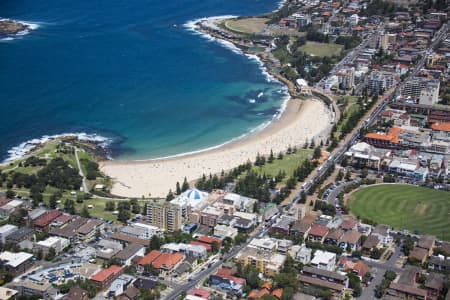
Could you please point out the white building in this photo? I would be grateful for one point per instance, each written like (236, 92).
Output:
(267, 244)
(304, 255)
(57, 243)
(196, 251)
(241, 203)
(324, 260)
(223, 231)
(6, 230)
(141, 231)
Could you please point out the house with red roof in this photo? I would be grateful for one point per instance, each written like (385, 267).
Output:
(207, 242)
(199, 293)
(166, 262)
(43, 222)
(147, 260)
(318, 233)
(359, 267)
(105, 277)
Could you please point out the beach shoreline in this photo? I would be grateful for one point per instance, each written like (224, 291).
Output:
(302, 120)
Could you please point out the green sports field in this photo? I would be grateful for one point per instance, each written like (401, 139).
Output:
(417, 209)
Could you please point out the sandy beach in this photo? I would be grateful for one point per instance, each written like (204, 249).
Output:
(301, 120)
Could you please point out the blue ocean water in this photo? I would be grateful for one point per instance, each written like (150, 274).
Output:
(129, 70)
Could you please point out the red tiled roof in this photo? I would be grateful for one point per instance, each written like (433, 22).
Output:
(207, 246)
(167, 260)
(318, 230)
(105, 273)
(149, 258)
(63, 219)
(208, 240)
(200, 293)
(392, 135)
(46, 219)
(225, 272)
(349, 224)
(441, 126)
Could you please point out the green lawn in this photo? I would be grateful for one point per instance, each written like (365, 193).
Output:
(352, 107)
(417, 209)
(289, 163)
(321, 49)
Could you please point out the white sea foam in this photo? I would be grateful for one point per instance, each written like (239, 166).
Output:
(26, 147)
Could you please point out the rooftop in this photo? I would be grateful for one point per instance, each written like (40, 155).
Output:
(15, 259)
(106, 273)
(46, 219)
(318, 230)
(167, 260)
(129, 251)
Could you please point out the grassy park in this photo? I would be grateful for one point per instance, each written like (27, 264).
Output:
(417, 209)
(288, 164)
(247, 25)
(321, 49)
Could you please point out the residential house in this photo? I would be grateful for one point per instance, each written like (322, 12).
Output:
(324, 260)
(427, 242)
(20, 235)
(439, 263)
(332, 281)
(382, 232)
(301, 229)
(76, 293)
(10, 208)
(419, 254)
(318, 233)
(359, 268)
(88, 231)
(350, 240)
(372, 242)
(304, 255)
(70, 230)
(43, 222)
(334, 236)
(225, 280)
(5, 231)
(129, 252)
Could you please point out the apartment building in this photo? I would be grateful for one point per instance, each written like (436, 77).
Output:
(165, 216)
